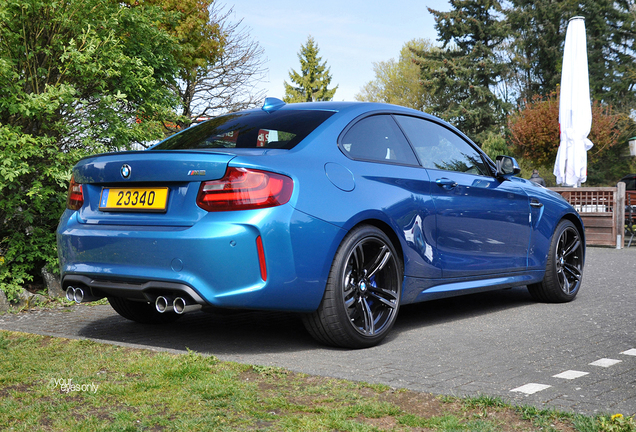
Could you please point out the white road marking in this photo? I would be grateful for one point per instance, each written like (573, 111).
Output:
(570, 374)
(605, 362)
(531, 388)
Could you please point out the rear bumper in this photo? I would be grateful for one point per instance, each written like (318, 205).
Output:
(215, 262)
(145, 291)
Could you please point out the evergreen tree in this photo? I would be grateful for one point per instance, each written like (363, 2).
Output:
(610, 33)
(537, 45)
(312, 83)
(539, 36)
(463, 76)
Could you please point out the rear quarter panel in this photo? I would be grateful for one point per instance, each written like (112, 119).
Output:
(394, 195)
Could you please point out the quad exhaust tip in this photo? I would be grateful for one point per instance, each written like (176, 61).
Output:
(163, 304)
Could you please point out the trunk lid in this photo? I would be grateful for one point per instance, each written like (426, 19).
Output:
(177, 174)
(155, 166)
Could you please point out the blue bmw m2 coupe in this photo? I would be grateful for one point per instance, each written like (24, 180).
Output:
(341, 212)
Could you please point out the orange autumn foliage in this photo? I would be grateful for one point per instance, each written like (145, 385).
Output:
(534, 129)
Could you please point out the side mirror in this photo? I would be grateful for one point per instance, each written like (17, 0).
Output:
(507, 166)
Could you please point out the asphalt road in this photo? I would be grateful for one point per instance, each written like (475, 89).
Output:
(578, 357)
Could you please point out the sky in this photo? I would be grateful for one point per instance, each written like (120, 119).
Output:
(351, 35)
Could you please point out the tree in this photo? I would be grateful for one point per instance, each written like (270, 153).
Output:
(228, 82)
(495, 145)
(537, 45)
(611, 32)
(76, 77)
(219, 64)
(398, 82)
(312, 83)
(534, 130)
(538, 39)
(82, 73)
(534, 133)
(463, 76)
(200, 42)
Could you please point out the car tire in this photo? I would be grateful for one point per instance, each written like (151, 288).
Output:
(564, 269)
(362, 294)
(141, 312)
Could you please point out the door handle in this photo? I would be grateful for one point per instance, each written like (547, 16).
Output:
(446, 183)
(535, 203)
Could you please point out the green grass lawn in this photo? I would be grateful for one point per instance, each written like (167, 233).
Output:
(55, 384)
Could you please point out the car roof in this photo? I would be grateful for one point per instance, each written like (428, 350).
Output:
(351, 107)
(354, 109)
(340, 106)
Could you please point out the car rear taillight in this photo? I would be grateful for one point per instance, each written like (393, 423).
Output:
(244, 189)
(75, 196)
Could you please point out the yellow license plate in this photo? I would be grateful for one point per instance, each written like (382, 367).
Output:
(134, 199)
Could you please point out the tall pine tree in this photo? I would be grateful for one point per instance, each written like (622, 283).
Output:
(537, 45)
(611, 59)
(312, 83)
(538, 39)
(462, 77)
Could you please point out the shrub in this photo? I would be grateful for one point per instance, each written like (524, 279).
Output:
(535, 136)
(33, 179)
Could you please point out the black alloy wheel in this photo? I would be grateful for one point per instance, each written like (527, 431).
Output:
(369, 290)
(564, 270)
(362, 296)
(569, 261)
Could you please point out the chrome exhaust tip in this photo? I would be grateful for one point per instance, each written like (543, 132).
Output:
(78, 295)
(181, 306)
(81, 295)
(163, 304)
(70, 293)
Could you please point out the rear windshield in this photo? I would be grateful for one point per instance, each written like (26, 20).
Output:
(252, 129)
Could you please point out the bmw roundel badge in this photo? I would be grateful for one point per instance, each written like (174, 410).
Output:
(125, 171)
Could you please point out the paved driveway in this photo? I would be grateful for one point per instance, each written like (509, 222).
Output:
(579, 357)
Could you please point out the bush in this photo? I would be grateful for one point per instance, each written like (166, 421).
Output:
(534, 134)
(495, 145)
(76, 77)
(33, 179)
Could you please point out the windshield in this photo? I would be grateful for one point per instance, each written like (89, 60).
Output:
(250, 129)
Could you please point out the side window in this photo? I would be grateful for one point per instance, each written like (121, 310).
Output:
(440, 148)
(378, 138)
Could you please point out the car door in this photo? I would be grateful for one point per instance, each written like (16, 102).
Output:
(395, 181)
(482, 222)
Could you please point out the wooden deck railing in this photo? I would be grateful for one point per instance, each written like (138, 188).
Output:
(602, 210)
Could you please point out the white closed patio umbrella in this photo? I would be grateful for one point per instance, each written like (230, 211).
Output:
(575, 109)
